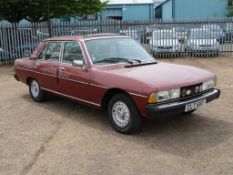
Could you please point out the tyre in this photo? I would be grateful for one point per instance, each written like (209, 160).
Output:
(124, 115)
(37, 94)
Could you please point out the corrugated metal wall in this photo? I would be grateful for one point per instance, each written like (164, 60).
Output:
(200, 9)
(194, 9)
(167, 11)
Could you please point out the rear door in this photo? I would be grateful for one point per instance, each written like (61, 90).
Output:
(47, 65)
(74, 80)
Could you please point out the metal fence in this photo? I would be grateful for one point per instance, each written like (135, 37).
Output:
(204, 38)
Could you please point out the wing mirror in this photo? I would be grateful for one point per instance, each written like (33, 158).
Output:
(80, 63)
(32, 57)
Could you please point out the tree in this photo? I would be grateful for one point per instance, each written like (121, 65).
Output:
(12, 10)
(230, 4)
(42, 10)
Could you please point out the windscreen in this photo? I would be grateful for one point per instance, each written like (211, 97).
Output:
(116, 47)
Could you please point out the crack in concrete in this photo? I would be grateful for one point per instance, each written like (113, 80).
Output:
(40, 151)
(42, 148)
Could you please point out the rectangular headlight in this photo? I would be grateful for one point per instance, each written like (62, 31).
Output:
(208, 84)
(164, 95)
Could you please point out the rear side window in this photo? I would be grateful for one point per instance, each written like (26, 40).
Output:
(51, 52)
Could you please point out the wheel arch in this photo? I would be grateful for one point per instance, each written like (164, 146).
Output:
(28, 80)
(109, 94)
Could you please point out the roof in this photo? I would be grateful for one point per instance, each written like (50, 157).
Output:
(76, 37)
(158, 1)
(100, 35)
(116, 2)
(64, 38)
(164, 2)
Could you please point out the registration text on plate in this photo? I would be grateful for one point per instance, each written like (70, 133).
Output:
(195, 105)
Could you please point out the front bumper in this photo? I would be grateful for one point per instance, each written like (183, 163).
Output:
(178, 107)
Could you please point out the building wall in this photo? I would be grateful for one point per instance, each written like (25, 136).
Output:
(167, 10)
(139, 12)
(130, 11)
(200, 9)
(112, 10)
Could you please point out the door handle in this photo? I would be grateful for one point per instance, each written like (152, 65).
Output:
(37, 65)
(61, 69)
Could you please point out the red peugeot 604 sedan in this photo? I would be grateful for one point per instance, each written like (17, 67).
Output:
(116, 74)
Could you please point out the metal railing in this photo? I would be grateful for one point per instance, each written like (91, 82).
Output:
(202, 38)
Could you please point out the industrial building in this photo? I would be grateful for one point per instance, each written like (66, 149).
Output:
(191, 9)
(128, 10)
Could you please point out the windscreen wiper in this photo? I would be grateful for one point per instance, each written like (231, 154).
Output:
(141, 64)
(114, 60)
(139, 61)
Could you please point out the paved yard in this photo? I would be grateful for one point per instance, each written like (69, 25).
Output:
(59, 137)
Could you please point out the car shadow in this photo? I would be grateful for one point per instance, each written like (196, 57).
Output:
(72, 110)
(181, 135)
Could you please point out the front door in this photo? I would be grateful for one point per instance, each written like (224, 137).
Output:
(47, 65)
(73, 80)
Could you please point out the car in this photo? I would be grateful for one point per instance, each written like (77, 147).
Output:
(116, 74)
(217, 31)
(136, 34)
(181, 33)
(229, 33)
(5, 55)
(164, 42)
(79, 31)
(24, 49)
(202, 41)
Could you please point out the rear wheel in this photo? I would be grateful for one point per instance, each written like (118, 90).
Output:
(36, 92)
(124, 115)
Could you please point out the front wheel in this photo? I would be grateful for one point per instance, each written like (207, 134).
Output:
(36, 92)
(124, 115)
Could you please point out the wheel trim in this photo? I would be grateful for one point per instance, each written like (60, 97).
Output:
(35, 88)
(120, 114)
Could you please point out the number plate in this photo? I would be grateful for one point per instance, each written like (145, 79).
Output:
(195, 105)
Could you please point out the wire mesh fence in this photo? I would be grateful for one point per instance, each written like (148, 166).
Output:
(203, 38)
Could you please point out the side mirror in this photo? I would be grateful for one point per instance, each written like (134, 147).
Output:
(32, 57)
(78, 63)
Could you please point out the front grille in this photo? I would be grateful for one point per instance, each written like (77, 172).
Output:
(205, 45)
(190, 91)
(165, 47)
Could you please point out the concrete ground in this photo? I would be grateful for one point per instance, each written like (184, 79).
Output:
(59, 137)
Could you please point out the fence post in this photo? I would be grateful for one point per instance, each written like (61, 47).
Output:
(49, 27)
